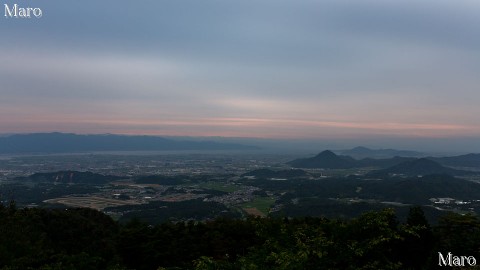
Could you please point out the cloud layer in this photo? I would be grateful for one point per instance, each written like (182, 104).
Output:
(281, 69)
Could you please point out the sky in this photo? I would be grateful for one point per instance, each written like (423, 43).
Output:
(296, 69)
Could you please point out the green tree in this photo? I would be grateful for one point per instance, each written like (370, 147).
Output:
(416, 247)
(459, 234)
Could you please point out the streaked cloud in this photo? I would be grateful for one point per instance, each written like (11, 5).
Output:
(284, 69)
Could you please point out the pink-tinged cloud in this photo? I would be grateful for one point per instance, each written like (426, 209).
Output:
(309, 69)
(238, 127)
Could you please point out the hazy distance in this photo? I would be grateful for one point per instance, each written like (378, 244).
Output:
(316, 74)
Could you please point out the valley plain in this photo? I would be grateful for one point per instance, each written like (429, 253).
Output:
(202, 186)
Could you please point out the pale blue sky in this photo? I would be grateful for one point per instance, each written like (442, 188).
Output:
(282, 69)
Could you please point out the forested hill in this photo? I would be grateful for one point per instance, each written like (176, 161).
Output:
(70, 177)
(329, 160)
(326, 159)
(87, 239)
(70, 143)
(468, 160)
(361, 152)
(418, 167)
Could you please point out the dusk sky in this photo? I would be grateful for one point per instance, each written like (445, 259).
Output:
(247, 68)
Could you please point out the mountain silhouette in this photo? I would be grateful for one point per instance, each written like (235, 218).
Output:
(468, 160)
(360, 152)
(326, 159)
(382, 162)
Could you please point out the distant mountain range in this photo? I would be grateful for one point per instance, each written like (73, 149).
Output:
(71, 143)
(407, 166)
(361, 152)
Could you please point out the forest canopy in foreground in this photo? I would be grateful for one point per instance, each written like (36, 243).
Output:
(87, 239)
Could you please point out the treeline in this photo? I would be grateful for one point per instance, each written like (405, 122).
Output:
(156, 212)
(87, 239)
(409, 190)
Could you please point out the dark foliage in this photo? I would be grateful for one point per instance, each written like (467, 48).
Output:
(88, 239)
(73, 238)
(160, 211)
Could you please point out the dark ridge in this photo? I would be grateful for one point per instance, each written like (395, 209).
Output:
(382, 163)
(360, 152)
(406, 165)
(418, 167)
(326, 159)
(468, 160)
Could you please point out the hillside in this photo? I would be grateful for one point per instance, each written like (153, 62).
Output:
(382, 163)
(364, 152)
(326, 159)
(469, 160)
(417, 167)
(329, 160)
(418, 190)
